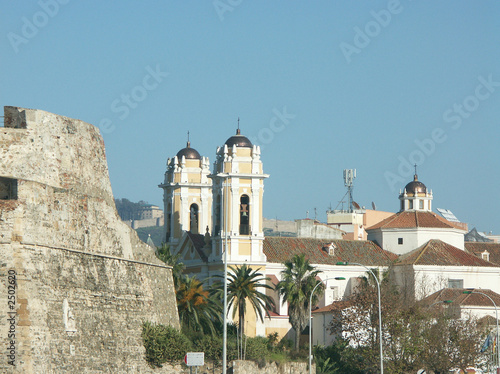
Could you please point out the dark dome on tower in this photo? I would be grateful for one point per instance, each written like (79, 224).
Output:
(239, 140)
(415, 187)
(188, 153)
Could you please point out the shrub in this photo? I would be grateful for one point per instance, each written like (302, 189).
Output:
(256, 348)
(163, 344)
(212, 346)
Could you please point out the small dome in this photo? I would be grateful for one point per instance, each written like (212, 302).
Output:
(239, 140)
(415, 187)
(188, 153)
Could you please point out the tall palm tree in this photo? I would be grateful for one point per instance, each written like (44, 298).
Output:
(244, 286)
(298, 281)
(197, 309)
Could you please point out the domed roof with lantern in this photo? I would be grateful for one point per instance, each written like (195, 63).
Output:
(239, 140)
(188, 152)
(415, 187)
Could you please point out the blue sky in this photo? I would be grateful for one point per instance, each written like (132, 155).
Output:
(322, 86)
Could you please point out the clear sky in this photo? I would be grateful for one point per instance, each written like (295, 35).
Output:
(322, 86)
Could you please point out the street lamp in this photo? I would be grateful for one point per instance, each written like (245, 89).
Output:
(379, 311)
(310, 319)
(468, 292)
(441, 302)
(225, 215)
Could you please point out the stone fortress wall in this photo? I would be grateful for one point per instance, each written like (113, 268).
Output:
(76, 283)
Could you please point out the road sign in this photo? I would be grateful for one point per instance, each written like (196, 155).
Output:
(194, 359)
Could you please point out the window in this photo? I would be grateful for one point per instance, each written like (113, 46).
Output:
(193, 218)
(400, 241)
(244, 215)
(455, 283)
(485, 255)
(421, 204)
(411, 204)
(335, 292)
(8, 189)
(169, 221)
(218, 214)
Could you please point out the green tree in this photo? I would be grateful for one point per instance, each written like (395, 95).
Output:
(243, 287)
(415, 336)
(298, 282)
(198, 310)
(164, 254)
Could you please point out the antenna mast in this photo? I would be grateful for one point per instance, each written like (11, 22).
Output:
(349, 176)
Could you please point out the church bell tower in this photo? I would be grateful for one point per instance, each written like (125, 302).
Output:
(187, 194)
(238, 188)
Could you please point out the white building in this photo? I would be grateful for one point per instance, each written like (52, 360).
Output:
(415, 224)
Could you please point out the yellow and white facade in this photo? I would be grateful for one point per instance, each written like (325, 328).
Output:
(238, 188)
(205, 211)
(187, 194)
(224, 205)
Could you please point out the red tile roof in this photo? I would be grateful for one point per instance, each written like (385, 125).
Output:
(437, 252)
(281, 249)
(335, 306)
(459, 298)
(414, 218)
(479, 247)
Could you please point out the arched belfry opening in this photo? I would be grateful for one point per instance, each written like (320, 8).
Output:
(244, 215)
(193, 218)
(218, 215)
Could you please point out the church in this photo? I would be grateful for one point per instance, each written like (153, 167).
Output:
(207, 211)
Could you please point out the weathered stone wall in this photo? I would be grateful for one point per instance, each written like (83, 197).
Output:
(76, 283)
(250, 367)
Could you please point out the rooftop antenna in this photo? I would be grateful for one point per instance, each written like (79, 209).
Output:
(307, 214)
(238, 130)
(349, 176)
(315, 214)
(188, 143)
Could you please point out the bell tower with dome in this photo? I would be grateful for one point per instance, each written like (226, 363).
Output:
(415, 196)
(238, 188)
(187, 194)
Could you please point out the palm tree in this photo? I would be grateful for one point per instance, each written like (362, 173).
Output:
(242, 287)
(298, 281)
(198, 310)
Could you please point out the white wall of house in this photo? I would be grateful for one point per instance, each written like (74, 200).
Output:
(413, 238)
(320, 332)
(431, 278)
(478, 311)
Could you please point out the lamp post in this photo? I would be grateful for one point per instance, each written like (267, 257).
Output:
(379, 311)
(310, 319)
(441, 302)
(496, 314)
(225, 215)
